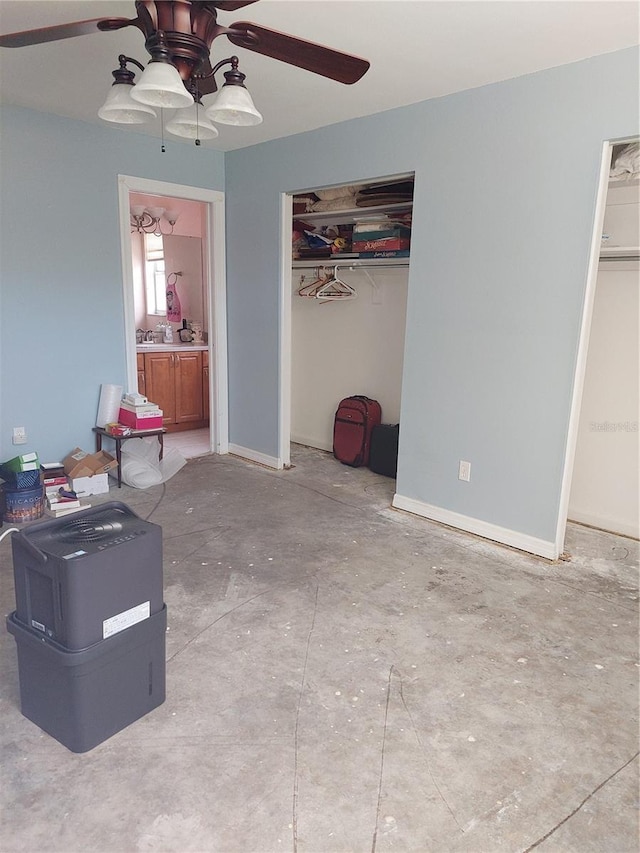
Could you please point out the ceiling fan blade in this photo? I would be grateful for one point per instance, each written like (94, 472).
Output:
(62, 31)
(232, 5)
(304, 54)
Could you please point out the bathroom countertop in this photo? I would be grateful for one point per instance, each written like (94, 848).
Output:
(170, 347)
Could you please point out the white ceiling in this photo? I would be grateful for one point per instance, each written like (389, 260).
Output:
(418, 50)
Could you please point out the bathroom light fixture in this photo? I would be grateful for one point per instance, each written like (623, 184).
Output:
(147, 219)
(160, 85)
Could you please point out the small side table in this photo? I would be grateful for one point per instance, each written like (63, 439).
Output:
(100, 432)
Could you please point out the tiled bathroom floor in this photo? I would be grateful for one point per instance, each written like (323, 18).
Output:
(191, 443)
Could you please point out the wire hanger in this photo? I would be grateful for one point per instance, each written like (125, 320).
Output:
(310, 290)
(335, 288)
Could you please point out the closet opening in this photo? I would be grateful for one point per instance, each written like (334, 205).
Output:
(602, 466)
(344, 301)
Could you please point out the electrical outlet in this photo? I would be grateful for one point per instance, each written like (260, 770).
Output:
(19, 435)
(464, 471)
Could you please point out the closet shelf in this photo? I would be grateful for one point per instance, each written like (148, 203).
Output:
(348, 217)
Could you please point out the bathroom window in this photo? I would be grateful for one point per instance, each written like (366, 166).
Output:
(154, 275)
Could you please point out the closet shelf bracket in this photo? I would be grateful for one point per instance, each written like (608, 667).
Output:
(377, 290)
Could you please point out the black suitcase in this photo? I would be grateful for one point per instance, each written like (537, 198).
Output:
(383, 455)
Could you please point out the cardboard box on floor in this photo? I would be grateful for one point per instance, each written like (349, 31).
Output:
(98, 484)
(79, 463)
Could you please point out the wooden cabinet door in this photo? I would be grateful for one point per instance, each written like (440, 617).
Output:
(205, 393)
(160, 383)
(140, 366)
(188, 385)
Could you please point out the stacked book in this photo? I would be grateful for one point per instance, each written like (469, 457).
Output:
(139, 414)
(59, 500)
(51, 469)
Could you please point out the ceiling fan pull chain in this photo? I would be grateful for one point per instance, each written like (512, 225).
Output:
(197, 100)
(162, 148)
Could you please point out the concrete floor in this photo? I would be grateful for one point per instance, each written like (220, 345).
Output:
(346, 678)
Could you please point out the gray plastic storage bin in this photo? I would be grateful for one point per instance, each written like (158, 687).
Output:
(79, 579)
(83, 697)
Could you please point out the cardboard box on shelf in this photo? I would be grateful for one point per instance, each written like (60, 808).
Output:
(394, 253)
(382, 244)
(365, 233)
(85, 486)
(79, 463)
(132, 420)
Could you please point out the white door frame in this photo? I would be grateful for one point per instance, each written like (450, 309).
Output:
(583, 347)
(285, 344)
(215, 283)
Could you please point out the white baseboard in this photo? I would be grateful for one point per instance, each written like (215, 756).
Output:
(255, 456)
(611, 525)
(311, 441)
(513, 538)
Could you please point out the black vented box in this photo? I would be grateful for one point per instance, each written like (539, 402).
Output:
(383, 455)
(83, 578)
(85, 696)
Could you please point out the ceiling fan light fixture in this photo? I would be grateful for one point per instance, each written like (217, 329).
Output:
(120, 108)
(233, 104)
(192, 123)
(161, 86)
(180, 64)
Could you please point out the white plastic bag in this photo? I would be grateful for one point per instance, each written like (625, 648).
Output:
(140, 466)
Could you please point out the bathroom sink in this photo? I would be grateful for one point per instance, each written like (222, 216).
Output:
(178, 345)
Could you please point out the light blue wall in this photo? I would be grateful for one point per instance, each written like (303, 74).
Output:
(506, 180)
(62, 320)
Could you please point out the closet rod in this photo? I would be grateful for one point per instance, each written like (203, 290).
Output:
(345, 265)
(632, 256)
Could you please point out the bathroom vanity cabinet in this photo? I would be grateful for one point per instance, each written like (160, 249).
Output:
(175, 379)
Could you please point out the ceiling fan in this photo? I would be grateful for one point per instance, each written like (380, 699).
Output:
(178, 36)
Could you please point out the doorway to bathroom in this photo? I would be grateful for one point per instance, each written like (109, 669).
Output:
(175, 308)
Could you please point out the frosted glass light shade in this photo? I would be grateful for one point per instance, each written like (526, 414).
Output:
(119, 107)
(234, 105)
(160, 85)
(192, 123)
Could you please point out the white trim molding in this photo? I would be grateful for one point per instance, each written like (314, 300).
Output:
(255, 456)
(285, 343)
(583, 345)
(609, 525)
(216, 285)
(512, 538)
